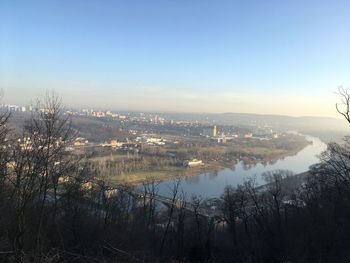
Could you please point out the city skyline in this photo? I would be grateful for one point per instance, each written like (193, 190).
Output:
(270, 58)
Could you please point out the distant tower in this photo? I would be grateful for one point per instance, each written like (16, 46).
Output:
(214, 131)
(223, 137)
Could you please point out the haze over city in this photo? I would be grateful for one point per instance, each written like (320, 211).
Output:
(267, 57)
(178, 131)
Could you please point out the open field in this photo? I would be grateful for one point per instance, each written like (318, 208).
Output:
(166, 173)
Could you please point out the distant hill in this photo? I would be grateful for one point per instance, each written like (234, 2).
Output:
(93, 129)
(98, 129)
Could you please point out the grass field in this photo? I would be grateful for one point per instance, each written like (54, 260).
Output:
(111, 157)
(149, 175)
(158, 175)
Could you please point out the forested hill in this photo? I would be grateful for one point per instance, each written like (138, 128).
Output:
(93, 129)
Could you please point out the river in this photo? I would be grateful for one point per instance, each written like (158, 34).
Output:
(211, 185)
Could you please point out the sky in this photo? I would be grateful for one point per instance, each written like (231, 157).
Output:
(268, 57)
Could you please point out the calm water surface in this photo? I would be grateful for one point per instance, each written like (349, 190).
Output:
(209, 185)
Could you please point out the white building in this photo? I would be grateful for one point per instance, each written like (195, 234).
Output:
(192, 163)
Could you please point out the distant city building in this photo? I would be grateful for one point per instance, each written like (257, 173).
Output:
(248, 135)
(98, 114)
(192, 163)
(152, 141)
(210, 132)
(263, 132)
(80, 142)
(222, 138)
(113, 143)
(275, 135)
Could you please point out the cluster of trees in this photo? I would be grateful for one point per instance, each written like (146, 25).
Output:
(53, 210)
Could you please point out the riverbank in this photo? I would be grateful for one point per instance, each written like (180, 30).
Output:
(212, 185)
(166, 163)
(164, 174)
(171, 172)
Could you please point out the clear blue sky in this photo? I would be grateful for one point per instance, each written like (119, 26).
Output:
(283, 57)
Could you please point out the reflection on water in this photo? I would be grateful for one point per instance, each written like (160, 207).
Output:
(213, 174)
(212, 184)
(192, 179)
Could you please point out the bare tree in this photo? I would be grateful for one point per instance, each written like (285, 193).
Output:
(180, 225)
(39, 160)
(174, 199)
(196, 203)
(4, 144)
(344, 106)
(230, 210)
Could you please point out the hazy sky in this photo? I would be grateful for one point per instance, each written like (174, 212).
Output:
(283, 57)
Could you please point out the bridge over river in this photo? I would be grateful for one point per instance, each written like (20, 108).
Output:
(204, 209)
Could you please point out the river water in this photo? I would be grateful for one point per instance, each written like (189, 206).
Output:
(211, 185)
